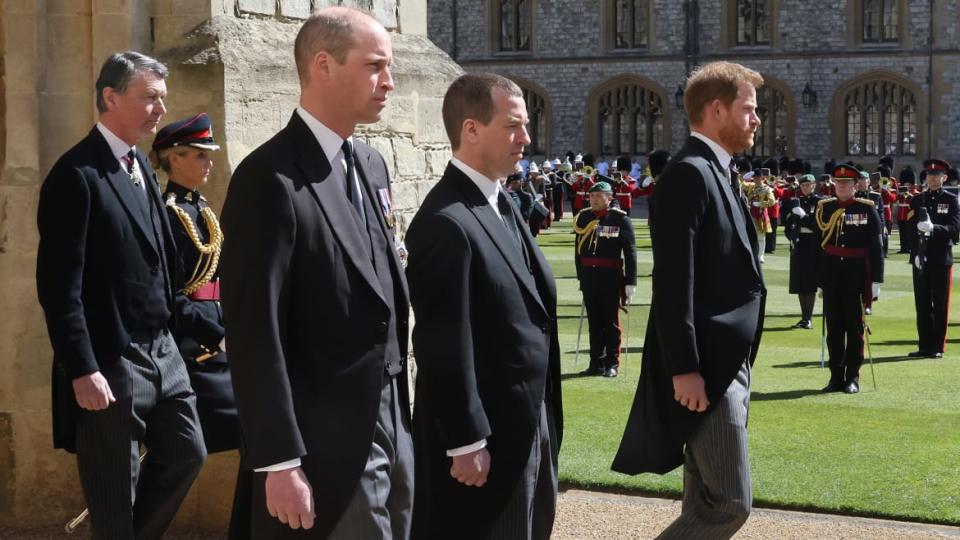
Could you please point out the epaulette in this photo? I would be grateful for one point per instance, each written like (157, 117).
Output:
(826, 200)
(612, 209)
(868, 202)
(577, 217)
(171, 199)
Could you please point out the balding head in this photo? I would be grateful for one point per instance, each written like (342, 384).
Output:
(333, 30)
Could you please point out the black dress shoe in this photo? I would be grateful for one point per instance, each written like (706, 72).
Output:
(803, 324)
(610, 372)
(918, 354)
(833, 386)
(592, 370)
(936, 355)
(851, 387)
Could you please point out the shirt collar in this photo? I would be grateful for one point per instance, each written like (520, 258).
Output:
(489, 187)
(723, 156)
(117, 146)
(330, 142)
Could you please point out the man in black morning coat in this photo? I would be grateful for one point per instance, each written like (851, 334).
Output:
(316, 304)
(105, 277)
(706, 315)
(487, 416)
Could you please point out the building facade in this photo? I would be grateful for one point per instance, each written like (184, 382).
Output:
(844, 79)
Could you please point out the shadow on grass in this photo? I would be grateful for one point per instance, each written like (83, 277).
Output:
(780, 396)
(866, 361)
(623, 350)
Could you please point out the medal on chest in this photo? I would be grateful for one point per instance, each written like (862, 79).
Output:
(943, 208)
(855, 219)
(386, 205)
(608, 231)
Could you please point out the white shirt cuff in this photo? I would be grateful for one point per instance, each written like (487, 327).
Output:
(463, 450)
(289, 464)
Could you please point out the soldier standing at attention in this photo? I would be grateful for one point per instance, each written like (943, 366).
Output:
(604, 235)
(851, 270)
(801, 230)
(936, 217)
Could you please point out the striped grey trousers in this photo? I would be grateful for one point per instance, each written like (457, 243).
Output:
(717, 496)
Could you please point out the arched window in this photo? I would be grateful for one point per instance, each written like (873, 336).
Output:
(538, 115)
(514, 24)
(880, 119)
(772, 137)
(629, 120)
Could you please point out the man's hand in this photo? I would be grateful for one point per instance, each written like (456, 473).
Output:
(471, 469)
(93, 392)
(289, 498)
(875, 289)
(925, 226)
(799, 212)
(755, 204)
(690, 391)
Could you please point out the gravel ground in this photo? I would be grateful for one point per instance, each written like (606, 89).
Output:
(586, 514)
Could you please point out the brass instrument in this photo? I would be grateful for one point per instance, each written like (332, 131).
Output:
(588, 170)
(885, 182)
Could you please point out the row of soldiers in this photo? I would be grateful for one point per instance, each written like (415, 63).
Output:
(838, 228)
(837, 245)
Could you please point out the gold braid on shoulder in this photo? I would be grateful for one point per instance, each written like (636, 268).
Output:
(587, 233)
(834, 224)
(209, 254)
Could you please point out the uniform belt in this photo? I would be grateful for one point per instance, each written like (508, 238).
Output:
(598, 262)
(581, 193)
(210, 291)
(806, 230)
(853, 253)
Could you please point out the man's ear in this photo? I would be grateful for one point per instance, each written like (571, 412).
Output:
(469, 131)
(320, 65)
(109, 96)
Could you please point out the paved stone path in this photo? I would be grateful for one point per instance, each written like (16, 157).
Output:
(592, 515)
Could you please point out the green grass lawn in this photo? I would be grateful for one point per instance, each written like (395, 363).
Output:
(891, 452)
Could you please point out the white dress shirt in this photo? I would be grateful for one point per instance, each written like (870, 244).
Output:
(722, 155)
(120, 150)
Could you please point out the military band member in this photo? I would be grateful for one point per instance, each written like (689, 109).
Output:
(656, 161)
(936, 217)
(850, 273)
(770, 245)
(623, 184)
(580, 188)
(606, 262)
(183, 150)
(801, 230)
(760, 197)
(559, 188)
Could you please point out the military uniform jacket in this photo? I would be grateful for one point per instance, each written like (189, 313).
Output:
(877, 202)
(848, 228)
(944, 212)
(605, 238)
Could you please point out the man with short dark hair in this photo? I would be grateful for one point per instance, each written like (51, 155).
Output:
(485, 301)
(316, 302)
(105, 279)
(706, 316)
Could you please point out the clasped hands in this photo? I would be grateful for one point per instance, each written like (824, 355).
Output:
(471, 469)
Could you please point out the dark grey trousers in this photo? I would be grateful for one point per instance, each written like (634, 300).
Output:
(532, 507)
(717, 497)
(156, 407)
(382, 505)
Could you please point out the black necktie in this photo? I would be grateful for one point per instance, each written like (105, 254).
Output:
(128, 159)
(506, 213)
(353, 185)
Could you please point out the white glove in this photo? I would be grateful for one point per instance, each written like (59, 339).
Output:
(917, 262)
(755, 204)
(875, 290)
(647, 180)
(629, 291)
(925, 226)
(799, 212)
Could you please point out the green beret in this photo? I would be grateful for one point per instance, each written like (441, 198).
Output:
(807, 178)
(602, 187)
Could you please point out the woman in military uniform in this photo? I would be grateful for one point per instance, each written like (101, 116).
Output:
(801, 230)
(182, 150)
